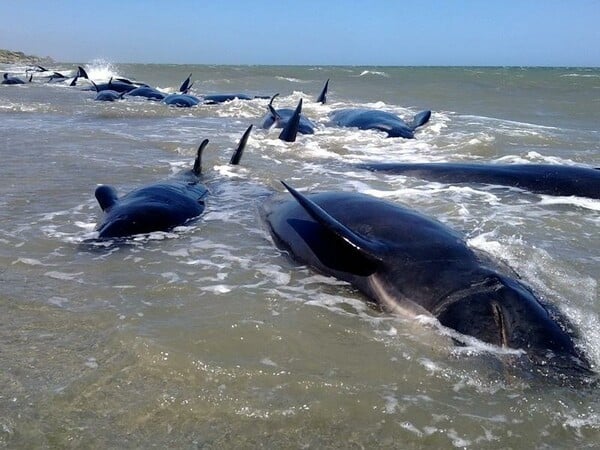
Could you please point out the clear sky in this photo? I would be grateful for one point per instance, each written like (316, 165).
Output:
(311, 32)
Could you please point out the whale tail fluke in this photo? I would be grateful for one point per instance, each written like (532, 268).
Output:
(420, 119)
(237, 155)
(290, 130)
(322, 98)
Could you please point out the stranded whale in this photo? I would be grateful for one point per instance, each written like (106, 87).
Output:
(286, 118)
(159, 206)
(407, 262)
(9, 79)
(291, 120)
(374, 119)
(548, 179)
(181, 100)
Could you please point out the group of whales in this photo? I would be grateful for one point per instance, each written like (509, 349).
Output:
(401, 260)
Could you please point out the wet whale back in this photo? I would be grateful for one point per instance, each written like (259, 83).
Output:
(547, 179)
(373, 119)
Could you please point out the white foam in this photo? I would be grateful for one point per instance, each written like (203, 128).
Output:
(364, 73)
(581, 202)
(63, 275)
(101, 70)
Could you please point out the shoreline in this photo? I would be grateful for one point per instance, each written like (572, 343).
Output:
(16, 57)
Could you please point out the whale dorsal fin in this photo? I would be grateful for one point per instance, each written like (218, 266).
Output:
(322, 98)
(290, 130)
(74, 81)
(237, 155)
(82, 73)
(371, 252)
(107, 196)
(95, 85)
(186, 86)
(197, 170)
(420, 119)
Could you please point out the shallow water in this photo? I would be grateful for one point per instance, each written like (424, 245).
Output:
(209, 336)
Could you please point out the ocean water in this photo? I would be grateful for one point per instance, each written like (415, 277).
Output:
(209, 336)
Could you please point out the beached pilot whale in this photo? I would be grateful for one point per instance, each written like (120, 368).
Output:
(107, 95)
(374, 119)
(147, 92)
(8, 79)
(547, 179)
(215, 99)
(181, 100)
(159, 206)
(279, 118)
(151, 93)
(121, 85)
(407, 262)
(282, 118)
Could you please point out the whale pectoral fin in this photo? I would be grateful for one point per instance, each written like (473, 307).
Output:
(274, 113)
(290, 130)
(107, 196)
(333, 253)
(322, 98)
(420, 119)
(273, 98)
(369, 252)
(237, 155)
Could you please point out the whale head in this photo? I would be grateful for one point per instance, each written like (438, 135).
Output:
(502, 312)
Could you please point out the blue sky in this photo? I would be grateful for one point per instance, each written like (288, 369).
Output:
(312, 32)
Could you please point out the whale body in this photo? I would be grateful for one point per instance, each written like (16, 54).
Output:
(404, 261)
(550, 179)
(286, 118)
(159, 206)
(374, 119)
